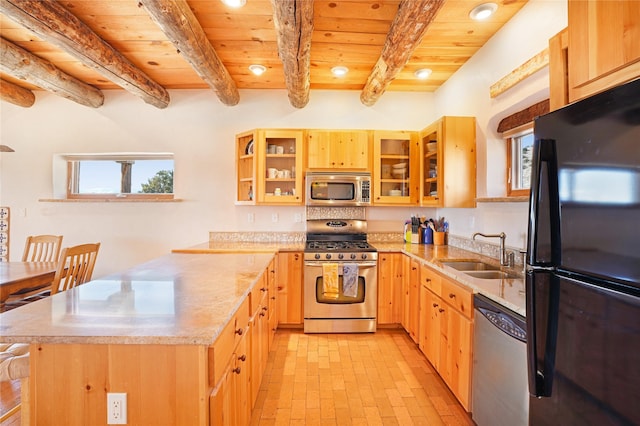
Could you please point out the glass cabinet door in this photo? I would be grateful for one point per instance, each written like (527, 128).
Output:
(280, 168)
(394, 169)
(245, 168)
(430, 167)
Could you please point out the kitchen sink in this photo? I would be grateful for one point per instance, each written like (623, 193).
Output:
(470, 266)
(489, 275)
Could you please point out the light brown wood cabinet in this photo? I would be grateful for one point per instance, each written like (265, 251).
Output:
(446, 331)
(338, 149)
(448, 163)
(396, 168)
(290, 288)
(412, 298)
(599, 49)
(604, 45)
(269, 167)
(390, 297)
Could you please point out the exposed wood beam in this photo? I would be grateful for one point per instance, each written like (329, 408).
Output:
(406, 32)
(177, 21)
(56, 25)
(293, 20)
(524, 116)
(533, 65)
(19, 63)
(15, 94)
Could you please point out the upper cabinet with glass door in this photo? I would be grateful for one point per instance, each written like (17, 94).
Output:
(280, 167)
(448, 163)
(396, 168)
(246, 167)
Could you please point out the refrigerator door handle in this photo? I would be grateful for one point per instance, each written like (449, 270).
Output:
(544, 206)
(543, 297)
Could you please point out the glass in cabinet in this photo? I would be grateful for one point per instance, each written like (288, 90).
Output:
(280, 167)
(395, 167)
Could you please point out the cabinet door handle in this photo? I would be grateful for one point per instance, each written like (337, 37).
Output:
(451, 295)
(428, 280)
(263, 289)
(264, 308)
(242, 358)
(440, 310)
(262, 314)
(280, 287)
(239, 332)
(435, 305)
(296, 256)
(236, 370)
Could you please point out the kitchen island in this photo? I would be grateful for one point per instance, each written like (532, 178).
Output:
(148, 332)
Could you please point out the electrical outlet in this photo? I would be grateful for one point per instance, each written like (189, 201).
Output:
(297, 218)
(274, 217)
(251, 218)
(116, 408)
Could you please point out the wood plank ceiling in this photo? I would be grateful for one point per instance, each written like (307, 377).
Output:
(348, 33)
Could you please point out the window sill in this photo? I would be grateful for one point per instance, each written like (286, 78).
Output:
(518, 199)
(110, 200)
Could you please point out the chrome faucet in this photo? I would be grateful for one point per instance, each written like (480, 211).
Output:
(505, 260)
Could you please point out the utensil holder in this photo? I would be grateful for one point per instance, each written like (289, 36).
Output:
(439, 238)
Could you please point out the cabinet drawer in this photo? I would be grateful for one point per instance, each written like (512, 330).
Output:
(226, 342)
(430, 279)
(458, 297)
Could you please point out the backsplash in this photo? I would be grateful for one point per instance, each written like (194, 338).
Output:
(336, 213)
(258, 237)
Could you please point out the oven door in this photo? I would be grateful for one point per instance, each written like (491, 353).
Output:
(342, 313)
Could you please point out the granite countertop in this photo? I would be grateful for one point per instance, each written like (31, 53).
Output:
(174, 299)
(508, 292)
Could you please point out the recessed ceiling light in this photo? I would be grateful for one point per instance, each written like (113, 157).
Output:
(257, 69)
(423, 73)
(339, 71)
(234, 3)
(483, 11)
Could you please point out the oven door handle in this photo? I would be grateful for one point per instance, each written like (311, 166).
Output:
(360, 264)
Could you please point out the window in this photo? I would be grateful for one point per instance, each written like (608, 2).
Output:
(519, 159)
(119, 175)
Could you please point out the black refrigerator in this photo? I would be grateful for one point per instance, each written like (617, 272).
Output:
(583, 263)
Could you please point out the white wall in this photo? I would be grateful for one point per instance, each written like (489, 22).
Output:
(467, 93)
(200, 131)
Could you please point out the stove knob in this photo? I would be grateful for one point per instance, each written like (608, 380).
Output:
(328, 256)
(353, 255)
(317, 256)
(341, 256)
(364, 255)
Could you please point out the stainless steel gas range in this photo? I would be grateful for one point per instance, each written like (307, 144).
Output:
(340, 277)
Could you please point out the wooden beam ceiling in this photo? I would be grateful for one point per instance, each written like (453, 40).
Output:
(56, 25)
(21, 64)
(408, 27)
(293, 20)
(15, 94)
(177, 21)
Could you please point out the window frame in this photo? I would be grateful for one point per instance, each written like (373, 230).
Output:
(510, 137)
(72, 175)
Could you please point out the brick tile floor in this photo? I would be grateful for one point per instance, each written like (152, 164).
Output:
(352, 379)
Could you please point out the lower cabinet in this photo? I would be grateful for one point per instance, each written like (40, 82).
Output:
(446, 331)
(239, 355)
(390, 294)
(289, 288)
(413, 319)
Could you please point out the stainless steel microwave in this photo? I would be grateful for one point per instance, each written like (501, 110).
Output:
(338, 188)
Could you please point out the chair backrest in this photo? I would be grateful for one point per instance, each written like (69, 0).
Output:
(75, 266)
(42, 248)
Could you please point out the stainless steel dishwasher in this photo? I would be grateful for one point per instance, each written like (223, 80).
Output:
(500, 394)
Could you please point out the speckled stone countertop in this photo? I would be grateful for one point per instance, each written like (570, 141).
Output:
(174, 299)
(509, 292)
